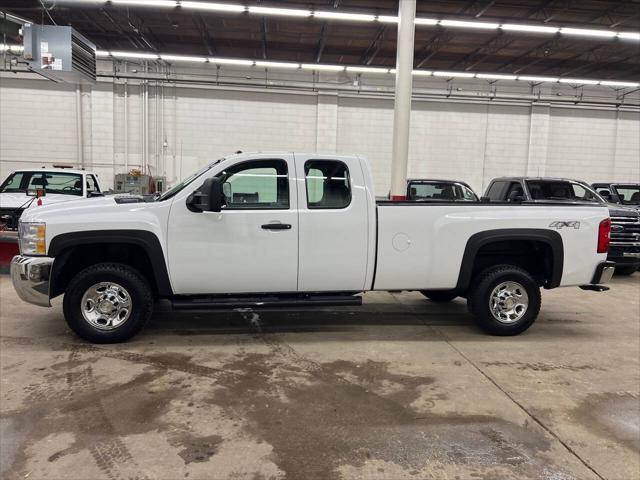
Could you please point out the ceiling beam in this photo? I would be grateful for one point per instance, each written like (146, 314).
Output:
(374, 47)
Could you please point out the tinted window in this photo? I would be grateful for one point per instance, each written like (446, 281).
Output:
(560, 190)
(495, 191)
(515, 192)
(256, 184)
(328, 184)
(443, 191)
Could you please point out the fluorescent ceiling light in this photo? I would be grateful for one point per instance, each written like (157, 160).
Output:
(292, 12)
(463, 24)
(387, 19)
(183, 58)
(579, 81)
(139, 55)
(352, 68)
(527, 78)
(426, 21)
(220, 7)
(10, 48)
(422, 73)
(612, 83)
(267, 64)
(320, 66)
(147, 3)
(629, 35)
(360, 17)
(528, 28)
(368, 69)
(454, 74)
(496, 76)
(230, 61)
(587, 32)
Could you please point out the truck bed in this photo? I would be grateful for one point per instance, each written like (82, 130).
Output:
(421, 245)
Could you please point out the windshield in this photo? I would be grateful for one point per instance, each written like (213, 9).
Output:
(174, 190)
(442, 191)
(628, 194)
(53, 182)
(561, 190)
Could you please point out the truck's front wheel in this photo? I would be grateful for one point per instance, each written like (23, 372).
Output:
(505, 300)
(107, 303)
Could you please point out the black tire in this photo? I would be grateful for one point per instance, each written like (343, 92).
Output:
(136, 286)
(440, 296)
(626, 271)
(478, 299)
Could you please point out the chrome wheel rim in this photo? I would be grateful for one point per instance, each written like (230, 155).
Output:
(106, 305)
(508, 302)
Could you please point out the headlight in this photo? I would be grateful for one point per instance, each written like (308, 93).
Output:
(32, 238)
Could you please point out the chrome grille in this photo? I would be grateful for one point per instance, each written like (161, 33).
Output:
(625, 231)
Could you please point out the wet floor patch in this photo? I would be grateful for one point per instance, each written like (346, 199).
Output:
(615, 416)
(347, 414)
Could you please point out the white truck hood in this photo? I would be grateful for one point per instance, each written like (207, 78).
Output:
(18, 200)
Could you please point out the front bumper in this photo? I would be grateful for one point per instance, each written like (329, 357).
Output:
(30, 277)
(603, 274)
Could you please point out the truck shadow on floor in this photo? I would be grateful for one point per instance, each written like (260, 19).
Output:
(389, 322)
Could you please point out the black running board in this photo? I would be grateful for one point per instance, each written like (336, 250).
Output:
(229, 303)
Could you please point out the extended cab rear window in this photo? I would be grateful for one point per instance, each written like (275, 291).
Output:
(328, 184)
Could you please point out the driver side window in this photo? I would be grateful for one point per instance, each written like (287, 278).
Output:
(257, 184)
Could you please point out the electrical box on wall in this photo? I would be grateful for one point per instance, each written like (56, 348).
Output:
(59, 53)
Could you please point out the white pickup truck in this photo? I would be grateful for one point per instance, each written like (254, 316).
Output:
(288, 230)
(18, 190)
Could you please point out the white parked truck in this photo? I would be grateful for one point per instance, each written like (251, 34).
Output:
(18, 190)
(287, 230)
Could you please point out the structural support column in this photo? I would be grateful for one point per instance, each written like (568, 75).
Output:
(402, 107)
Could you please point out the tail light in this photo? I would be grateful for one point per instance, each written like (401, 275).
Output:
(604, 235)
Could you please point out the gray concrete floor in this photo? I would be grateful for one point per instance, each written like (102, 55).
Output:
(399, 389)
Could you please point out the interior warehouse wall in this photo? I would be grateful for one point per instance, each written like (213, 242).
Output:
(188, 127)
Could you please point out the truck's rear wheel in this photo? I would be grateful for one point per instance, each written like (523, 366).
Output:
(107, 303)
(505, 300)
(439, 295)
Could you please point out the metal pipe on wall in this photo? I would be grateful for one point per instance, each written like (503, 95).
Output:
(403, 93)
(80, 141)
(126, 122)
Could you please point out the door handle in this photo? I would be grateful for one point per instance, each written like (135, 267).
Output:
(276, 226)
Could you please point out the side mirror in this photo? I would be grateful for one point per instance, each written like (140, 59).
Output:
(36, 192)
(207, 198)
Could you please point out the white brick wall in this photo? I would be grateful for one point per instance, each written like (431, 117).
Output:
(470, 141)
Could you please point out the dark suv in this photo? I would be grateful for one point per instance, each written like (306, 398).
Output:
(624, 249)
(627, 194)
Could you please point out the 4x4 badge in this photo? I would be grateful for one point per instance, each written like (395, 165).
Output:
(560, 225)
